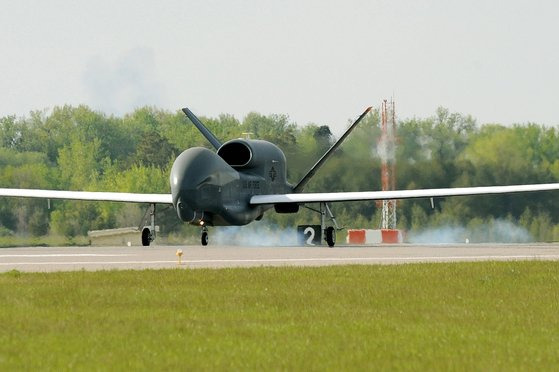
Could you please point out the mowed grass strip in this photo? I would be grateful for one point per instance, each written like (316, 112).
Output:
(458, 316)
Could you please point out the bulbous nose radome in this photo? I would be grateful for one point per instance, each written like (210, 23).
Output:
(193, 169)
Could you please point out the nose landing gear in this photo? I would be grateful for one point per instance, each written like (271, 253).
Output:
(204, 238)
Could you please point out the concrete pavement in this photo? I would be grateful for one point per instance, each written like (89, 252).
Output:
(157, 257)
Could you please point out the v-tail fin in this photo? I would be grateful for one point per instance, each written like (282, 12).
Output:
(328, 153)
(202, 128)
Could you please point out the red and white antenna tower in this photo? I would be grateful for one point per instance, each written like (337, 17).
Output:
(387, 152)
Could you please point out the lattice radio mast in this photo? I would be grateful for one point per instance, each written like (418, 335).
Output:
(387, 152)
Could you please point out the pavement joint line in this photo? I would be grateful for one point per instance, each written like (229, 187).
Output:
(276, 260)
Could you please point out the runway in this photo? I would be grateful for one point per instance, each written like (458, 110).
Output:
(45, 259)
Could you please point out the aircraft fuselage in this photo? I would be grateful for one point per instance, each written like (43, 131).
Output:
(214, 189)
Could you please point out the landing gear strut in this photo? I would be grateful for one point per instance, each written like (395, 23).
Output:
(204, 238)
(328, 233)
(148, 233)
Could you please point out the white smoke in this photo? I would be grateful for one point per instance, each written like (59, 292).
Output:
(438, 235)
(385, 151)
(125, 84)
(496, 231)
(250, 236)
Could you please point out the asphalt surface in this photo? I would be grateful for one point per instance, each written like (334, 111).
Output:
(157, 257)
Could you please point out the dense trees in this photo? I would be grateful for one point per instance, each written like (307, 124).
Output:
(77, 148)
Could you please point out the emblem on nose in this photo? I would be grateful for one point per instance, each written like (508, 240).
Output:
(273, 174)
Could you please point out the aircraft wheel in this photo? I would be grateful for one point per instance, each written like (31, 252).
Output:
(330, 236)
(204, 239)
(146, 237)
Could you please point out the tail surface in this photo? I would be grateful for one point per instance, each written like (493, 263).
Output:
(328, 153)
(205, 131)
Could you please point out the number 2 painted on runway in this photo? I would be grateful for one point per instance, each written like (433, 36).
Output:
(309, 230)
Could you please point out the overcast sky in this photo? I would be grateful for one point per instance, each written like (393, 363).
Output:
(316, 61)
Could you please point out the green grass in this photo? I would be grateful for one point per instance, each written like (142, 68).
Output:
(460, 316)
(42, 241)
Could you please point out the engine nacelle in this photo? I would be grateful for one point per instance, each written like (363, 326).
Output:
(255, 155)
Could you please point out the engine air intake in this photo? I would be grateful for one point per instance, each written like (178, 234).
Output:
(236, 154)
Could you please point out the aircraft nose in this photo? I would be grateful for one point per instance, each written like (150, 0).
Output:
(188, 169)
(188, 214)
(194, 168)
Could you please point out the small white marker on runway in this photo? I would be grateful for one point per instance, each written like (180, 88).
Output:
(179, 255)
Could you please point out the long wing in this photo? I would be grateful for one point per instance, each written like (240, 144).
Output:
(302, 198)
(89, 195)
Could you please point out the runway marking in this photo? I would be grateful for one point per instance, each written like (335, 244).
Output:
(286, 260)
(65, 255)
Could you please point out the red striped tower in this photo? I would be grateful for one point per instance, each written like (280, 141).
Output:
(387, 152)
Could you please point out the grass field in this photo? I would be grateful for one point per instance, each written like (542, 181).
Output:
(459, 316)
(42, 241)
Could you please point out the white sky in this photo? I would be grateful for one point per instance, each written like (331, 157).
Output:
(317, 61)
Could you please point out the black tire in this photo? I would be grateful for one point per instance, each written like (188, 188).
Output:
(146, 237)
(204, 238)
(330, 236)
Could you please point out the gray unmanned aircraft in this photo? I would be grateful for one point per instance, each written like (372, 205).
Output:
(243, 179)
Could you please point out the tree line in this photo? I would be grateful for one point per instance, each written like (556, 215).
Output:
(77, 148)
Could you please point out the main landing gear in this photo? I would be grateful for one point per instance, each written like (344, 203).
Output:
(328, 233)
(148, 232)
(330, 236)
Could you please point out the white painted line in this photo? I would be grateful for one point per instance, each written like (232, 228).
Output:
(64, 255)
(418, 258)
(54, 263)
(286, 260)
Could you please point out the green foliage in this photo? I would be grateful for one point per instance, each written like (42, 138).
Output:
(274, 128)
(14, 158)
(9, 132)
(81, 149)
(155, 151)
(79, 165)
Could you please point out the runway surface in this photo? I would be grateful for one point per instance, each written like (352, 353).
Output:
(158, 257)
